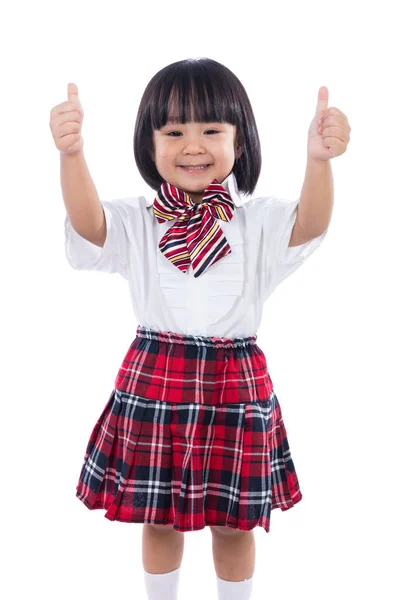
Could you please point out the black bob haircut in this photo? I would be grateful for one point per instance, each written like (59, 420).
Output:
(201, 90)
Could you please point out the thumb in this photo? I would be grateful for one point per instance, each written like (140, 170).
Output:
(323, 98)
(73, 92)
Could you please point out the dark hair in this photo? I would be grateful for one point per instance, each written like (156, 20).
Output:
(202, 90)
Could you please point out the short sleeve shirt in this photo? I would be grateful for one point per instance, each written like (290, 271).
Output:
(224, 301)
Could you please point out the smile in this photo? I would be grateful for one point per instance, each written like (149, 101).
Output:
(197, 169)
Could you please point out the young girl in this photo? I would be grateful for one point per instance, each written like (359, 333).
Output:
(192, 434)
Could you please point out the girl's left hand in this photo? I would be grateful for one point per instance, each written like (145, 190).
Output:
(329, 132)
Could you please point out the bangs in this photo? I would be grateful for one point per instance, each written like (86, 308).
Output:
(186, 96)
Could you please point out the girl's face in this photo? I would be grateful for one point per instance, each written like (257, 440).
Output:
(177, 146)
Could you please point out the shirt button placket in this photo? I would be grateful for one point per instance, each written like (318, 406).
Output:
(197, 303)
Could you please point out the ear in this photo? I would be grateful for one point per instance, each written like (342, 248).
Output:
(238, 152)
(238, 146)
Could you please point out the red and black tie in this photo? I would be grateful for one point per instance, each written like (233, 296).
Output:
(195, 237)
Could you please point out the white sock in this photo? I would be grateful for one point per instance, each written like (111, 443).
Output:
(163, 586)
(234, 590)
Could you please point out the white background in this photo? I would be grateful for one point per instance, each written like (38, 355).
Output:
(330, 332)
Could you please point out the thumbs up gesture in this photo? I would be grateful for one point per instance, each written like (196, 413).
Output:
(329, 132)
(66, 123)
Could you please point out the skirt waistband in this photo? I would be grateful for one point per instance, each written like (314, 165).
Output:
(197, 340)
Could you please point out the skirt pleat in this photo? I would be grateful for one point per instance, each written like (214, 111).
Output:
(221, 459)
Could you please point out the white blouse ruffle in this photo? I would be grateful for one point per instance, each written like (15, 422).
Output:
(219, 287)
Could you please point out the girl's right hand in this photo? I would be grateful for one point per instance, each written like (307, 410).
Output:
(66, 123)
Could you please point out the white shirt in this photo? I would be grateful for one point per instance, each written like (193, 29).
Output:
(227, 299)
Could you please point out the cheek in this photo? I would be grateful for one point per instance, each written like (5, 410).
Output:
(161, 154)
(163, 151)
(160, 147)
(228, 152)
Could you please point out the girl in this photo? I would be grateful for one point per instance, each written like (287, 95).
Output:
(192, 434)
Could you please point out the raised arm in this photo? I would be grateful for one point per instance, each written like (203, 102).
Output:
(80, 195)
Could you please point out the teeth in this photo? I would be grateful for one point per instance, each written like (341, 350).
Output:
(199, 168)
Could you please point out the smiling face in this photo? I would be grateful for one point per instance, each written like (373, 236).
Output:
(177, 145)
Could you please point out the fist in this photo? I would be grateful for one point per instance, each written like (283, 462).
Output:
(66, 123)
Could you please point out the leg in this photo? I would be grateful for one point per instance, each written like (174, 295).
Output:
(233, 553)
(162, 548)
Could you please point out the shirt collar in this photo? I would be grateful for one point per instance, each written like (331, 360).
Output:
(230, 184)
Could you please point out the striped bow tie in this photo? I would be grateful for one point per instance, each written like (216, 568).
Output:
(195, 237)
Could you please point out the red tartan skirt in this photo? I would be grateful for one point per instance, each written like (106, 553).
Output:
(192, 435)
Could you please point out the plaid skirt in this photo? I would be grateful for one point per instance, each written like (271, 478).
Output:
(192, 435)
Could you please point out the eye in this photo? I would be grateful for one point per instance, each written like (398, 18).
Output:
(208, 131)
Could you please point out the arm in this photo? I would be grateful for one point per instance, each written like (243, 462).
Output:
(81, 199)
(316, 202)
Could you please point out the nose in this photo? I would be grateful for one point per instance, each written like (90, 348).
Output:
(193, 145)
